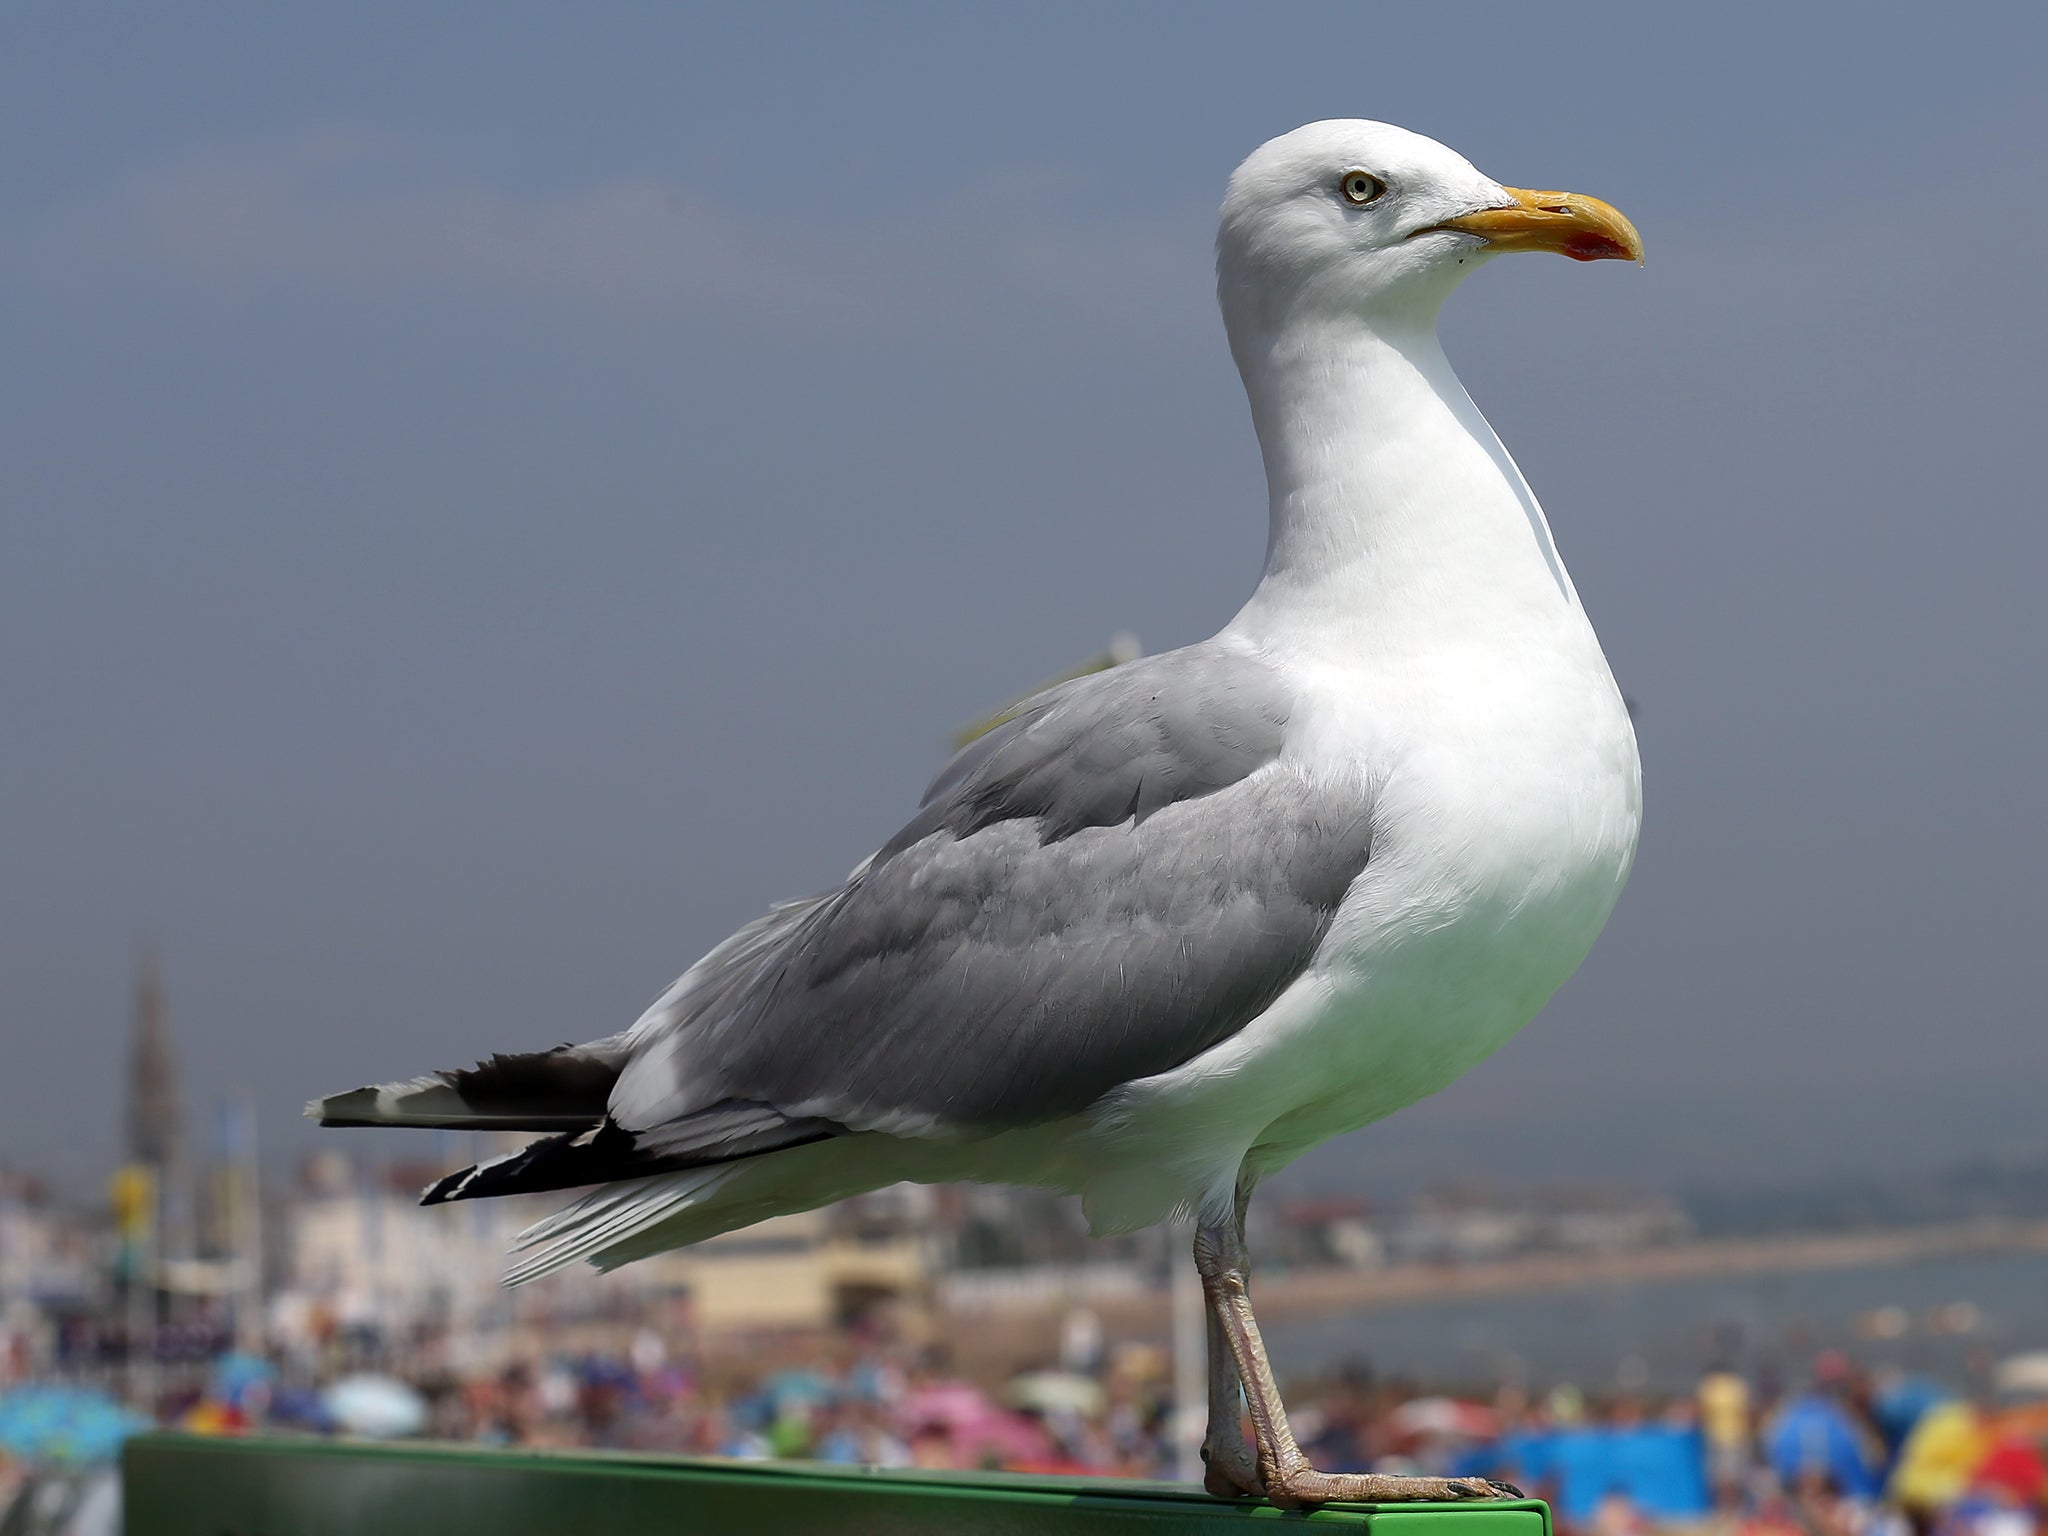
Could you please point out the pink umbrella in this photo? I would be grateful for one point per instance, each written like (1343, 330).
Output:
(979, 1429)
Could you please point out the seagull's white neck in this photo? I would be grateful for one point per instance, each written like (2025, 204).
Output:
(1398, 519)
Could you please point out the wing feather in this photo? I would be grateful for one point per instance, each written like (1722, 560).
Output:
(1118, 876)
(1115, 878)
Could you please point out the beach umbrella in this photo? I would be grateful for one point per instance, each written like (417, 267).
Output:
(243, 1380)
(375, 1407)
(2014, 1467)
(944, 1402)
(1056, 1392)
(70, 1424)
(1902, 1403)
(1814, 1433)
(796, 1389)
(298, 1408)
(1940, 1456)
(2023, 1375)
(976, 1426)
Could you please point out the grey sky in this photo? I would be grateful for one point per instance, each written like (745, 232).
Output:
(490, 496)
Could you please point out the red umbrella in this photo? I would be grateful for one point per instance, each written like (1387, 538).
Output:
(2013, 1466)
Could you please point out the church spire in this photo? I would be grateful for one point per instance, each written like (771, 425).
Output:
(154, 1117)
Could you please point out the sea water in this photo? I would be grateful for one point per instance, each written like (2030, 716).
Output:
(1950, 1318)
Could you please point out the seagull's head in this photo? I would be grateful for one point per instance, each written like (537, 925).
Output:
(1365, 218)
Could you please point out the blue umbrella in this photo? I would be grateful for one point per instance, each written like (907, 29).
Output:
(237, 1376)
(72, 1424)
(299, 1408)
(795, 1388)
(1814, 1433)
(1901, 1404)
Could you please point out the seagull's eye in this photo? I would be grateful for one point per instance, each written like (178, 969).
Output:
(1361, 187)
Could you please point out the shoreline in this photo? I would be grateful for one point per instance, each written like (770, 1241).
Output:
(1307, 1293)
(996, 1335)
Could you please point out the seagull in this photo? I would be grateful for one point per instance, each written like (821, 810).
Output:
(1168, 926)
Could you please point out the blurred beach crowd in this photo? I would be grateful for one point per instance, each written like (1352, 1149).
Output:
(1842, 1451)
(964, 1328)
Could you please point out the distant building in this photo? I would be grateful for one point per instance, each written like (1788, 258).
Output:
(49, 1268)
(812, 1269)
(1472, 1225)
(1327, 1230)
(366, 1258)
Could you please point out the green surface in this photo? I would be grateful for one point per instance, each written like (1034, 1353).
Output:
(180, 1485)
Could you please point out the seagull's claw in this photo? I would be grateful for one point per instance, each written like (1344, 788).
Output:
(1472, 1488)
(1230, 1477)
(1306, 1486)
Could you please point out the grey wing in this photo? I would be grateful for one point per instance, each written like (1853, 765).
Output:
(1119, 876)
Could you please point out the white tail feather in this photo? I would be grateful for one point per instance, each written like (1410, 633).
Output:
(608, 1216)
(637, 1218)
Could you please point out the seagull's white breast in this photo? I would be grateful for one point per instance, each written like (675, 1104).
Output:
(1506, 800)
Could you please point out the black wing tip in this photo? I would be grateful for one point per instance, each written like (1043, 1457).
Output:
(448, 1187)
(605, 1153)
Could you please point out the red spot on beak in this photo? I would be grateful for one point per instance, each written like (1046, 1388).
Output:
(1595, 247)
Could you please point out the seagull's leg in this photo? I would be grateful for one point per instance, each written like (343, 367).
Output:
(1289, 1479)
(1230, 1463)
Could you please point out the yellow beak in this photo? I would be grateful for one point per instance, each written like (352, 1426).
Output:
(1583, 228)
